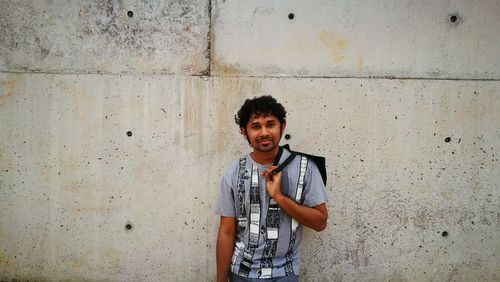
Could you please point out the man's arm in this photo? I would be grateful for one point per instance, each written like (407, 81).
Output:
(225, 246)
(312, 217)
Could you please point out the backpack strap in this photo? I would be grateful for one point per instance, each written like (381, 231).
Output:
(285, 162)
(318, 160)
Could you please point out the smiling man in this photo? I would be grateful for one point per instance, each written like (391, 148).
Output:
(262, 210)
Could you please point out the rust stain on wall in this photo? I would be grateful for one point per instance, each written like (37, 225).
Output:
(9, 85)
(397, 277)
(360, 62)
(9, 263)
(337, 45)
(226, 69)
(3, 97)
(83, 101)
(116, 259)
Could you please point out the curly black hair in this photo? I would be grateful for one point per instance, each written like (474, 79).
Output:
(264, 105)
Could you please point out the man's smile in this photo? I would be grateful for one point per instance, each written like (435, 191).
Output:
(265, 142)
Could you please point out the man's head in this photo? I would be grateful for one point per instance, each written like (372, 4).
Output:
(262, 121)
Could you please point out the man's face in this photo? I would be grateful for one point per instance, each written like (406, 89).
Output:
(264, 132)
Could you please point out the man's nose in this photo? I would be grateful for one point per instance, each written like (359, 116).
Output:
(264, 131)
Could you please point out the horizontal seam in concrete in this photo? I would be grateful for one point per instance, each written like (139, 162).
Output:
(364, 77)
(254, 76)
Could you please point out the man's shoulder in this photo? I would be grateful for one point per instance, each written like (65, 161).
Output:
(297, 157)
(234, 164)
(231, 170)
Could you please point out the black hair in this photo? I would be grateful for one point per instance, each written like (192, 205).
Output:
(263, 105)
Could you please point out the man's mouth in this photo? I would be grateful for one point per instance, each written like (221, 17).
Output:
(265, 141)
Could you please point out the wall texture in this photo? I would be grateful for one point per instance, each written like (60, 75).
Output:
(116, 123)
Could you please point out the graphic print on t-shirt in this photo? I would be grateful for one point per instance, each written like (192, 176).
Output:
(267, 240)
(253, 240)
(272, 234)
(295, 224)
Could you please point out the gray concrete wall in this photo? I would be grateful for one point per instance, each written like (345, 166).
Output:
(115, 129)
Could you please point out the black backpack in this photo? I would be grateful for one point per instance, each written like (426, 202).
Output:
(318, 160)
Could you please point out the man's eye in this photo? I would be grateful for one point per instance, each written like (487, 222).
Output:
(255, 127)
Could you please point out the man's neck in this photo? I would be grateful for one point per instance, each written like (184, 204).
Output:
(265, 158)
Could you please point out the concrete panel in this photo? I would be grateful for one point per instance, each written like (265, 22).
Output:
(72, 178)
(104, 36)
(413, 174)
(404, 39)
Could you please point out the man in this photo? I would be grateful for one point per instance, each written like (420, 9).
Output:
(262, 212)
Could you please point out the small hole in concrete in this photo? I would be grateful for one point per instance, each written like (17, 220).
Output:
(291, 16)
(454, 19)
(130, 14)
(287, 136)
(129, 133)
(128, 226)
(447, 139)
(444, 233)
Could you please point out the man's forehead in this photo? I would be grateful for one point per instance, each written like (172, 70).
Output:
(260, 117)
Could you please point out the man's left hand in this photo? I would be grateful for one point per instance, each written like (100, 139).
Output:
(273, 182)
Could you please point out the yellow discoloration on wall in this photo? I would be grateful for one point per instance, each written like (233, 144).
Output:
(397, 277)
(82, 261)
(115, 260)
(5, 262)
(9, 265)
(8, 94)
(360, 62)
(84, 102)
(225, 69)
(336, 44)
(9, 87)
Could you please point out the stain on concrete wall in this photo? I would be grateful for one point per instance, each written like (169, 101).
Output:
(407, 39)
(109, 173)
(105, 36)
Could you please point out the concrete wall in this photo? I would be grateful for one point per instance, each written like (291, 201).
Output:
(115, 129)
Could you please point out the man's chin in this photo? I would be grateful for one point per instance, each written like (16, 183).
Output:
(265, 149)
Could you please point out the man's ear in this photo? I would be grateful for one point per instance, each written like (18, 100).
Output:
(283, 126)
(243, 132)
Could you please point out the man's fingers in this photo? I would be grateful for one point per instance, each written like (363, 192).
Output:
(277, 175)
(270, 172)
(271, 169)
(268, 176)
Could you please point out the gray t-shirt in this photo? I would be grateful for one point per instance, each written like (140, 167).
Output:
(267, 241)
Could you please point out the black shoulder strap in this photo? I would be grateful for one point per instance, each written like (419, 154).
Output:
(278, 157)
(281, 166)
(285, 162)
(318, 160)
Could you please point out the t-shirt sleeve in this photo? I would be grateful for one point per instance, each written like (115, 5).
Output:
(225, 199)
(314, 192)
